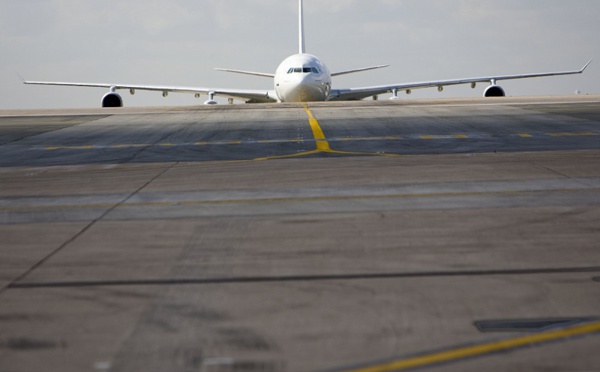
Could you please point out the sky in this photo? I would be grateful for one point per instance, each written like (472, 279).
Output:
(179, 42)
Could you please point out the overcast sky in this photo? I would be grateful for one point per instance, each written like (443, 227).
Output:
(179, 42)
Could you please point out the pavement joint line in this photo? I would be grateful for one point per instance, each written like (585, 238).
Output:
(293, 199)
(302, 278)
(482, 349)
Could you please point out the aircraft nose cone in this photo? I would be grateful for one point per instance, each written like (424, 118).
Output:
(304, 89)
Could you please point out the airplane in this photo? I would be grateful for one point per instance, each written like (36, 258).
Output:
(304, 77)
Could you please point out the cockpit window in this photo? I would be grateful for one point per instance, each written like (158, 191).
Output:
(303, 70)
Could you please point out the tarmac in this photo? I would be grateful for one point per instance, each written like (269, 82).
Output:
(443, 235)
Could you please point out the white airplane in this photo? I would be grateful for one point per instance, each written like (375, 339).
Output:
(305, 78)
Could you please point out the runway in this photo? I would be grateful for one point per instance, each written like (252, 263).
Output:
(448, 235)
(272, 131)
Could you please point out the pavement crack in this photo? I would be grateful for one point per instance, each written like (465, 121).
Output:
(59, 127)
(83, 230)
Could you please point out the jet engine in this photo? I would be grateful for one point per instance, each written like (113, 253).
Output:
(112, 99)
(494, 91)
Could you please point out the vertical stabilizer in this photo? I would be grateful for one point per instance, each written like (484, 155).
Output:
(301, 47)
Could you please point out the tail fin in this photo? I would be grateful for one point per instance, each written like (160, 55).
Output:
(301, 48)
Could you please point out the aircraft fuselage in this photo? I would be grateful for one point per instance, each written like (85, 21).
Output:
(302, 78)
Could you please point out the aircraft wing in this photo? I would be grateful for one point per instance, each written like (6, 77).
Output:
(261, 74)
(264, 96)
(358, 70)
(364, 92)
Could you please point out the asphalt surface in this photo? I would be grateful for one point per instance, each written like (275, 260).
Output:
(236, 133)
(367, 236)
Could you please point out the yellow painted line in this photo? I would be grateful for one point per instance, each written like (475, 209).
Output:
(318, 134)
(129, 145)
(298, 154)
(572, 134)
(482, 349)
(86, 147)
(323, 144)
(362, 153)
(380, 138)
(284, 140)
(444, 136)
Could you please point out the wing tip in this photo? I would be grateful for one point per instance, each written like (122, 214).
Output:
(20, 77)
(586, 65)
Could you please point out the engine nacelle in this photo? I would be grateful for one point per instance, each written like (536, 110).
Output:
(494, 91)
(112, 99)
